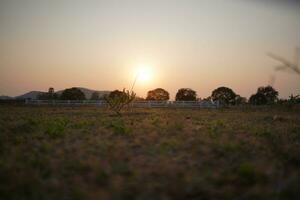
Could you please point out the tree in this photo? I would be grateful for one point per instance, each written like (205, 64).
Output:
(117, 100)
(50, 95)
(158, 94)
(116, 93)
(95, 96)
(72, 94)
(186, 94)
(269, 92)
(240, 100)
(258, 99)
(224, 95)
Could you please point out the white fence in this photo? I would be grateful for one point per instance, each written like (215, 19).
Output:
(138, 104)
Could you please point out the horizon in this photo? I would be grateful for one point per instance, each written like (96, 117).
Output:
(100, 45)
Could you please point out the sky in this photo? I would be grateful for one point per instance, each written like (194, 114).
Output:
(100, 44)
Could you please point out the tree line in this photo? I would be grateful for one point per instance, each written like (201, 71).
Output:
(226, 96)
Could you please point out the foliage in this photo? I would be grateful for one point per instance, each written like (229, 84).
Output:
(116, 93)
(269, 92)
(240, 100)
(294, 99)
(50, 95)
(119, 127)
(117, 100)
(291, 102)
(258, 99)
(186, 94)
(95, 96)
(158, 94)
(72, 94)
(56, 128)
(224, 95)
(264, 95)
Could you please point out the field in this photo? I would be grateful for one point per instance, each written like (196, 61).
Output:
(90, 153)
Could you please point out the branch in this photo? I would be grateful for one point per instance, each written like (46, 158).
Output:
(286, 64)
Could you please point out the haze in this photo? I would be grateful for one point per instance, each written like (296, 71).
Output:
(200, 44)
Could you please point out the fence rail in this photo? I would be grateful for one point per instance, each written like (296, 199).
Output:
(138, 104)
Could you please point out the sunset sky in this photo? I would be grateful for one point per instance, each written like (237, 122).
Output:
(100, 44)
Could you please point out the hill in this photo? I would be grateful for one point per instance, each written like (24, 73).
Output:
(3, 97)
(30, 95)
(34, 94)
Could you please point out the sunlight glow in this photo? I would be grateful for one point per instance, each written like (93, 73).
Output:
(144, 73)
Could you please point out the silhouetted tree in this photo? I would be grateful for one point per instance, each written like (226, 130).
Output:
(269, 92)
(207, 99)
(186, 94)
(158, 94)
(72, 94)
(258, 99)
(224, 95)
(117, 100)
(95, 96)
(50, 95)
(116, 93)
(240, 100)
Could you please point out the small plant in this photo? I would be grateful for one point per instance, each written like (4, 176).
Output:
(117, 100)
(56, 128)
(215, 128)
(119, 127)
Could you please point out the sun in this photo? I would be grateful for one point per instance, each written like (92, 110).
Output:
(144, 73)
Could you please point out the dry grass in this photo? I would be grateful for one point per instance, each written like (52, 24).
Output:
(88, 153)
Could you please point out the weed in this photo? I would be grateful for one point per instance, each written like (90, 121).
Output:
(25, 126)
(83, 124)
(119, 127)
(249, 175)
(56, 128)
(155, 121)
(215, 128)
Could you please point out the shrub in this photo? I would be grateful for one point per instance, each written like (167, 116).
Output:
(117, 100)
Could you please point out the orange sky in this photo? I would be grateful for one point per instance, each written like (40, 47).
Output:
(99, 44)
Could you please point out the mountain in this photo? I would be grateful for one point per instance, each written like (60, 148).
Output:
(34, 94)
(3, 97)
(30, 95)
(88, 92)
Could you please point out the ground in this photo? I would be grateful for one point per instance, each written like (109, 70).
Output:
(90, 153)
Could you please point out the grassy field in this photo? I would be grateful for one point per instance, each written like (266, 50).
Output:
(89, 153)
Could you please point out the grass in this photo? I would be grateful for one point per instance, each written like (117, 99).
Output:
(88, 153)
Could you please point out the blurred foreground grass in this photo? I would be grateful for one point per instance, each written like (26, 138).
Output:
(88, 153)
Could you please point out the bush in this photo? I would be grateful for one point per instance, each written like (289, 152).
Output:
(117, 100)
